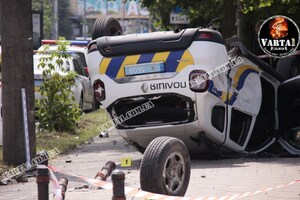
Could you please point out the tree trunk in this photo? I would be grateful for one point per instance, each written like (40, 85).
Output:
(228, 27)
(17, 73)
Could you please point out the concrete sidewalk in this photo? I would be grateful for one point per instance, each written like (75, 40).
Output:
(234, 178)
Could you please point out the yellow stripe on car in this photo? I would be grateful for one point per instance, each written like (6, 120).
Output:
(186, 59)
(174, 61)
(161, 56)
(129, 60)
(224, 96)
(239, 72)
(104, 64)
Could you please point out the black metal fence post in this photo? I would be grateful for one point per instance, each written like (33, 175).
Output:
(42, 180)
(118, 178)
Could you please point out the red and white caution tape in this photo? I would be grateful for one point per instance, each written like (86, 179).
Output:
(152, 196)
(53, 179)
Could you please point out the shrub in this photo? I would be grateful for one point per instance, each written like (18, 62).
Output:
(56, 109)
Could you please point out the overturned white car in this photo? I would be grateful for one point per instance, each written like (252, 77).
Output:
(245, 108)
(241, 104)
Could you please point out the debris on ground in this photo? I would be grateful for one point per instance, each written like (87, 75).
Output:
(81, 187)
(22, 178)
(3, 182)
(103, 134)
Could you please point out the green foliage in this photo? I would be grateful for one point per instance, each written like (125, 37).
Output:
(47, 17)
(86, 128)
(160, 11)
(46, 7)
(201, 12)
(253, 11)
(56, 109)
(64, 25)
(266, 8)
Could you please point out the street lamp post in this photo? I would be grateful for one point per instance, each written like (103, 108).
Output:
(123, 14)
(84, 20)
(106, 7)
(42, 19)
(55, 19)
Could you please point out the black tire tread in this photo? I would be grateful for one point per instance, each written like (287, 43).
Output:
(98, 27)
(151, 163)
(285, 66)
(103, 24)
(150, 156)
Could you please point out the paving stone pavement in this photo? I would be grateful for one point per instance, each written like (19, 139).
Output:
(237, 178)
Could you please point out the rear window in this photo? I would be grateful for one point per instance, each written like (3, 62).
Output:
(78, 55)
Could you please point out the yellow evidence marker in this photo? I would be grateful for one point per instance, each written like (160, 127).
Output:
(126, 162)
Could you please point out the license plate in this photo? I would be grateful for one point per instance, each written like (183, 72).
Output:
(146, 68)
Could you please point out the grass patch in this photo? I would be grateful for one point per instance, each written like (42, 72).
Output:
(86, 129)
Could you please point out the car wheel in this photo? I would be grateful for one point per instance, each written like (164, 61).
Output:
(165, 167)
(288, 67)
(106, 26)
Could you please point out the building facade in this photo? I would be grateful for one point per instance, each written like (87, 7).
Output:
(132, 17)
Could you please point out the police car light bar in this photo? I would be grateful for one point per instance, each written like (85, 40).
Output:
(72, 42)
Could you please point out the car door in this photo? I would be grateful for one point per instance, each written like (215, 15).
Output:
(244, 98)
(85, 80)
(289, 115)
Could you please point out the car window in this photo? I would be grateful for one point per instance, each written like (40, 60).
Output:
(78, 55)
(79, 67)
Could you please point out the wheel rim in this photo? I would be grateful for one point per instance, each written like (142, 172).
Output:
(174, 172)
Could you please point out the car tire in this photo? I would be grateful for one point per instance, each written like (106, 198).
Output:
(165, 167)
(288, 67)
(106, 26)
